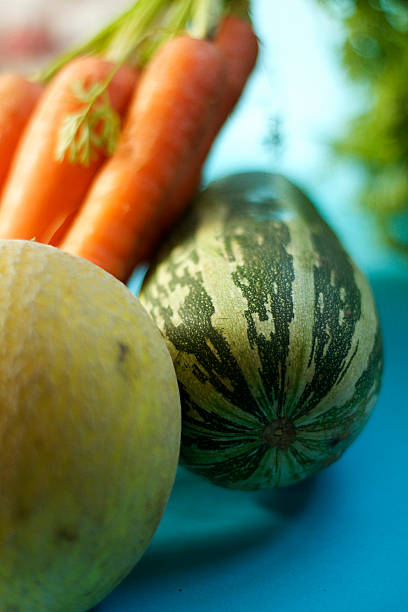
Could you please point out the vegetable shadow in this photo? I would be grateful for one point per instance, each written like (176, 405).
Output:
(204, 525)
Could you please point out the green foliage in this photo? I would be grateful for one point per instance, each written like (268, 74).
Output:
(375, 53)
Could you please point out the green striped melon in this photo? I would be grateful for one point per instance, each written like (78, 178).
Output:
(273, 333)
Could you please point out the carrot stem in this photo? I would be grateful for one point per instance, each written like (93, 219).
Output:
(119, 39)
(95, 45)
(134, 31)
(206, 14)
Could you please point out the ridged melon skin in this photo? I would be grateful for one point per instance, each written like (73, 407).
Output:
(273, 332)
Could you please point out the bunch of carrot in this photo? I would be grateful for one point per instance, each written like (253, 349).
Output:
(102, 156)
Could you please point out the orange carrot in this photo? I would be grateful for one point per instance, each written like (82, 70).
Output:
(40, 191)
(18, 97)
(239, 45)
(167, 118)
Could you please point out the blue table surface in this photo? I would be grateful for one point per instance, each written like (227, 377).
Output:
(337, 541)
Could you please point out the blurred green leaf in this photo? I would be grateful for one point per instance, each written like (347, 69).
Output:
(375, 54)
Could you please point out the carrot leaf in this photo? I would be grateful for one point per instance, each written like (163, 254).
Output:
(93, 128)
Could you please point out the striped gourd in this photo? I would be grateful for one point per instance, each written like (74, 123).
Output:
(272, 330)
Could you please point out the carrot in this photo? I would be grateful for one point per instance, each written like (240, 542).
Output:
(239, 45)
(169, 114)
(41, 191)
(18, 97)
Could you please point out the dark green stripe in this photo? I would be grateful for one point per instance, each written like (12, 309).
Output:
(350, 417)
(210, 427)
(331, 340)
(265, 278)
(231, 471)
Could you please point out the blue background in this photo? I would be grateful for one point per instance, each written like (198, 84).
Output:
(337, 541)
